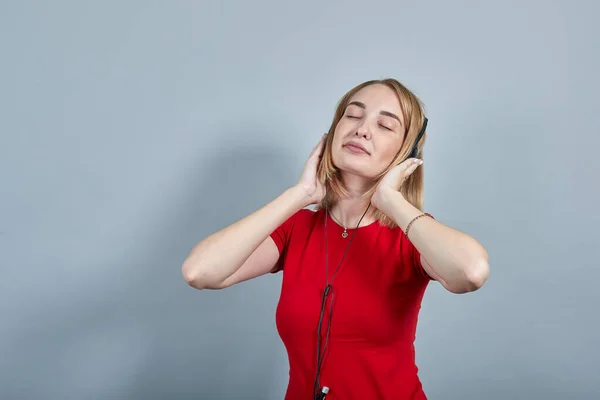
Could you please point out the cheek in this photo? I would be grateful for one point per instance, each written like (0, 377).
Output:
(388, 150)
(339, 135)
(342, 126)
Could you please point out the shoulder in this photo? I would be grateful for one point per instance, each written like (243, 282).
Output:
(400, 250)
(300, 216)
(306, 217)
(298, 221)
(307, 213)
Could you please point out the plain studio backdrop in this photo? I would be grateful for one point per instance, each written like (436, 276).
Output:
(130, 130)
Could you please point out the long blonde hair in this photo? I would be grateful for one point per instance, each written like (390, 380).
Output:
(414, 117)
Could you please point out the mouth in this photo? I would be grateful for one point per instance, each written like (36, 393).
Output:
(356, 148)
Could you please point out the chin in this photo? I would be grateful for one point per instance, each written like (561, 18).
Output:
(355, 167)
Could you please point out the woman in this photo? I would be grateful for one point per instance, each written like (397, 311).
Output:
(355, 270)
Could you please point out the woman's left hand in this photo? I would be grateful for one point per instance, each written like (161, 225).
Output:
(393, 181)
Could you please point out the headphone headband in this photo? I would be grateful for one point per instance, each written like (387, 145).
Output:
(415, 150)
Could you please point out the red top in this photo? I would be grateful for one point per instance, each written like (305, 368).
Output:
(377, 297)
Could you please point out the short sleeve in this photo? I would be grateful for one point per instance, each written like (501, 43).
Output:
(414, 260)
(413, 257)
(281, 237)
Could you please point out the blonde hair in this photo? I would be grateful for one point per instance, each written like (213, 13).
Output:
(414, 117)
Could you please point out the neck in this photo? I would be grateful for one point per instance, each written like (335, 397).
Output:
(348, 210)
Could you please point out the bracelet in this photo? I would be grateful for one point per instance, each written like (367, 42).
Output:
(414, 219)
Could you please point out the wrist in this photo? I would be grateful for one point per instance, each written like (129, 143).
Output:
(400, 210)
(388, 200)
(299, 196)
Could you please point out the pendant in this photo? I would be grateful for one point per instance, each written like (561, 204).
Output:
(344, 234)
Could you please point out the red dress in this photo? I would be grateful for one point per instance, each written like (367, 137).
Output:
(377, 297)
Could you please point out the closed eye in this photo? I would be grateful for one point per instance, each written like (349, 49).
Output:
(385, 127)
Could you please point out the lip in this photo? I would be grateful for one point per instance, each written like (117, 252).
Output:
(356, 147)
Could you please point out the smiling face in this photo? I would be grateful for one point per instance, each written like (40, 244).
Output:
(370, 132)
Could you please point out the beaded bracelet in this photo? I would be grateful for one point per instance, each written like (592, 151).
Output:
(414, 219)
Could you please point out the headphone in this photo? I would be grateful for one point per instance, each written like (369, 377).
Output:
(320, 395)
(415, 150)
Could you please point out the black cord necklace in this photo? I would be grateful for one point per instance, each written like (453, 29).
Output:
(329, 290)
(345, 233)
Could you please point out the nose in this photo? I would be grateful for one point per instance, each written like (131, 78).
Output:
(363, 131)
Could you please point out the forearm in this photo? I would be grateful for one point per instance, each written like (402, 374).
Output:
(221, 254)
(454, 258)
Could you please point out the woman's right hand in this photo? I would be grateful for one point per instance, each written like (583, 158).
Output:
(309, 185)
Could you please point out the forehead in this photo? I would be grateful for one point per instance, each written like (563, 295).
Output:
(378, 97)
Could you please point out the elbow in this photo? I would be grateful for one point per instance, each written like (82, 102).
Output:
(195, 276)
(475, 276)
(478, 274)
(190, 275)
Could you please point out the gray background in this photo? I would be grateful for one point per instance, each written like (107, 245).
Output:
(130, 130)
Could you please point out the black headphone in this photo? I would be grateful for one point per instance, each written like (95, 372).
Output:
(415, 150)
(320, 395)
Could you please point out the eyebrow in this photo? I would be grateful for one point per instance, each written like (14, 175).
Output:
(386, 113)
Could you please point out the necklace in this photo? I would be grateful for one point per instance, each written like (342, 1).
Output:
(329, 291)
(345, 233)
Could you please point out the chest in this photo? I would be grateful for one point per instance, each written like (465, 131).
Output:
(372, 293)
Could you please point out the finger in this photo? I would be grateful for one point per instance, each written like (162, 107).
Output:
(410, 161)
(319, 145)
(405, 165)
(412, 167)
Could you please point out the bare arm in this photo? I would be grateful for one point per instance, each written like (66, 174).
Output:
(244, 249)
(453, 258)
(219, 256)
